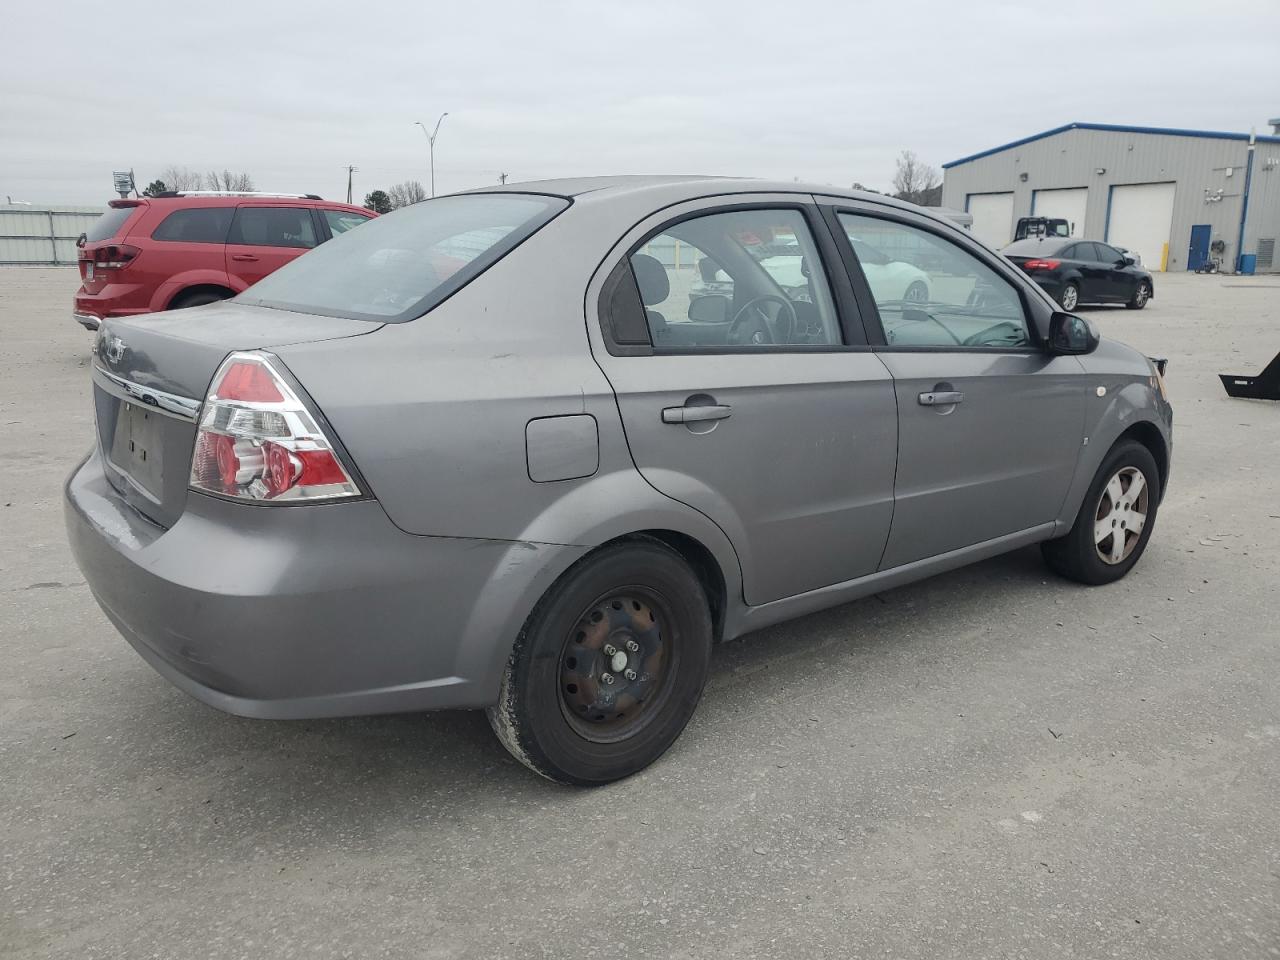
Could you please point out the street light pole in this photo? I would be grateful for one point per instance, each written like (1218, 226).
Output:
(431, 146)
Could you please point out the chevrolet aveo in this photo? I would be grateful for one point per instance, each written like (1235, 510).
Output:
(477, 453)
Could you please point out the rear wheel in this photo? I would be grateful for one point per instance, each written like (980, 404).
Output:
(1140, 296)
(198, 298)
(1115, 521)
(609, 667)
(1070, 298)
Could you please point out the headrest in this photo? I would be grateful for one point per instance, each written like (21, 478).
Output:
(651, 278)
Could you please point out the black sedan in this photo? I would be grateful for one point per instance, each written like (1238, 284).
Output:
(1082, 271)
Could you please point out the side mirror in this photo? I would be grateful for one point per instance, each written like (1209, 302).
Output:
(1128, 262)
(1071, 335)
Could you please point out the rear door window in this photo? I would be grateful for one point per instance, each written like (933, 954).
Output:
(273, 227)
(398, 266)
(340, 221)
(197, 225)
(108, 225)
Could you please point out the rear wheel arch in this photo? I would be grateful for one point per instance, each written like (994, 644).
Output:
(704, 564)
(197, 290)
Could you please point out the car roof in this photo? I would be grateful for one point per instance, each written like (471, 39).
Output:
(676, 187)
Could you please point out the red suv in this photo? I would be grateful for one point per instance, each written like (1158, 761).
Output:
(183, 249)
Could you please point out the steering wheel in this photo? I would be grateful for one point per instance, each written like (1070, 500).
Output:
(762, 332)
(980, 338)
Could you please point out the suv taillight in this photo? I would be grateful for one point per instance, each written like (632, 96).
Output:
(257, 440)
(114, 256)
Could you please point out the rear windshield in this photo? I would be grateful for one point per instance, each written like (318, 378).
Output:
(397, 267)
(109, 224)
(1033, 247)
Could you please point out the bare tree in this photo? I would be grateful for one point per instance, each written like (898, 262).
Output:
(228, 181)
(914, 181)
(180, 178)
(404, 194)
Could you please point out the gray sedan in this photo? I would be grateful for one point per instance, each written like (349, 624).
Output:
(478, 453)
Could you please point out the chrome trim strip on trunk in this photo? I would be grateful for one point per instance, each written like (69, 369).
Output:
(170, 404)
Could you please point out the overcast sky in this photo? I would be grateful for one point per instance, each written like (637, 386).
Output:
(822, 91)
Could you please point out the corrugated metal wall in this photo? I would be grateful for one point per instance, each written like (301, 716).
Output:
(1196, 164)
(43, 234)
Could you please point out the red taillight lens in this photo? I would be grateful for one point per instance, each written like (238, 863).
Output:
(114, 256)
(258, 441)
(1041, 264)
(248, 383)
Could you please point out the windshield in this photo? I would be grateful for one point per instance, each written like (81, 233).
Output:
(397, 267)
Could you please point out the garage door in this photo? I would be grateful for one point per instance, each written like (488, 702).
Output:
(992, 217)
(1068, 205)
(1141, 218)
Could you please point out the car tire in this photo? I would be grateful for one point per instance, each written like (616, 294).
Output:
(917, 292)
(1140, 296)
(558, 714)
(1070, 298)
(197, 299)
(1084, 557)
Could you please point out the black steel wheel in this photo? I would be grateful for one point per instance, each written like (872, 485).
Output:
(609, 667)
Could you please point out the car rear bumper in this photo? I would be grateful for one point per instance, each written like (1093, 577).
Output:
(114, 300)
(306, 611)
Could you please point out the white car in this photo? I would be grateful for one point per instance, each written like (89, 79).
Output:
(889, 279)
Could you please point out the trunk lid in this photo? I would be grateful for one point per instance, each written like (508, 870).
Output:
(150, 375)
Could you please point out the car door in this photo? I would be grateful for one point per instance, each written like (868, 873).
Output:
(264, 238)
(777, 422)
(1121, 280)
(1093, 280)
(990, 424)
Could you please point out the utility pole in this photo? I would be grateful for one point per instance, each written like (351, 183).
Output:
(350, 170)
(431, 146)
(502, 178)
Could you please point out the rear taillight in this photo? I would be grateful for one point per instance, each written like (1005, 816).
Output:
(257, 440)
(114, 256)
(1041, 264)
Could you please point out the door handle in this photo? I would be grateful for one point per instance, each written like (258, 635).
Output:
(244, 257)
(941, 399)
(718, 411)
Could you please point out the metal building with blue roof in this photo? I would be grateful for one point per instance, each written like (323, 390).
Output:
(1176, 197)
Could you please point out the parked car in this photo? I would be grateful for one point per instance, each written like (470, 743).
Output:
(1075, 272)
(1132, 254)
(186, 249)
(523, 477)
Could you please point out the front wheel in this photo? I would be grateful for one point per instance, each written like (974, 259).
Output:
(1070, 298)
(1140, 296)
(1115, 521)
(608, 668)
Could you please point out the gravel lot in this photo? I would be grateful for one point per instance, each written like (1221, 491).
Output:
(994, 763)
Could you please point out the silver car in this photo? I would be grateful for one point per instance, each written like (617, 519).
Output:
(477, 454)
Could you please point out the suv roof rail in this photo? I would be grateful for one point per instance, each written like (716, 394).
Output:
(238, 193)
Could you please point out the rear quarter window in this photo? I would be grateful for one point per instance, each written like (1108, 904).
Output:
(108, 225)
(197, 225)
(398, 266)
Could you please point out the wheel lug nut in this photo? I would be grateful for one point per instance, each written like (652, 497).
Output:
(632, 646)
(610, 649)
(630, 674)
(607, 677)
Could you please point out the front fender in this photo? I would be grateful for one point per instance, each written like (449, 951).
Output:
(1126, 403)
